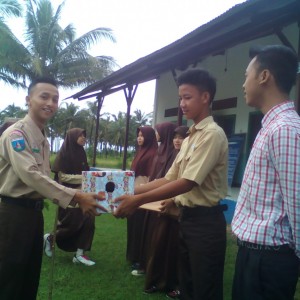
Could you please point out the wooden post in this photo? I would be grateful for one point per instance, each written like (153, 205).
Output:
(100, 99)
(129, 92)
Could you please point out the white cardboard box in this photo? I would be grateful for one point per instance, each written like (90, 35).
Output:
(112, 183)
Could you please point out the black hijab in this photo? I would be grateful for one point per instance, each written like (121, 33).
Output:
(71, 158)
(166, 132)
(183, 132)
(143, 160)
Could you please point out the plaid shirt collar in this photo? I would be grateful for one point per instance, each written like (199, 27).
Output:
(275, 111)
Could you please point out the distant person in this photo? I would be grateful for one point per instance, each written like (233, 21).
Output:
(267, 215)
(164, 136)
(162, 262)
(142, 166)
(75, 230)
(24, 183)
(198, 181)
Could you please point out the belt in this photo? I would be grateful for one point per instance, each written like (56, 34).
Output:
(36, 204)
(259, 247)
(202, 210)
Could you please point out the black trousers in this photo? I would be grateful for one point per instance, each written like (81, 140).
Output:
(21, 249)
(265, 274)
(202, 246)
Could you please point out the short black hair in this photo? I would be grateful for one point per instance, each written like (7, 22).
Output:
(37, 80)
(199, 78)
(281, 61)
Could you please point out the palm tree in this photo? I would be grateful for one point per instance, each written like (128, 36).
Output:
(117, 131)
(104, 136)
(12, 111)
(85, 119)
(50, 50)
(8, 8)
(61, 122)
(141, 118)
(91, 121)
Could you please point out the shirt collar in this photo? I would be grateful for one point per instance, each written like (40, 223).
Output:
(277, 110)
(201, 125)
(35, 130)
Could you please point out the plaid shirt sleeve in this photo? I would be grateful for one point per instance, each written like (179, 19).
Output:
(285, 152)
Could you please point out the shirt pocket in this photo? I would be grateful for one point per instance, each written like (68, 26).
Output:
(180, 158)
(38, 158)
(188, 155)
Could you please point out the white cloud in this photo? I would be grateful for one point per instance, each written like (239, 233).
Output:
(141, 27)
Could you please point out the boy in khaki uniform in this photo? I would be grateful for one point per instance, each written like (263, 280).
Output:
(24, 183)
(198, 181)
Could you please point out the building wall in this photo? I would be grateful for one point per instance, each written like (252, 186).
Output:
(228, 69)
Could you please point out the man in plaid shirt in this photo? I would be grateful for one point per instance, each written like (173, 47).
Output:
(267, 216)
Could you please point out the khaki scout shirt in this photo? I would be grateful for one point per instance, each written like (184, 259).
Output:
(70, 178)
(25, 167)
(203, 158)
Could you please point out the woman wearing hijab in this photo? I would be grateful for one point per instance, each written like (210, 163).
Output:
(141, 165)
(164, 135)
(162, 258)
(75, 230)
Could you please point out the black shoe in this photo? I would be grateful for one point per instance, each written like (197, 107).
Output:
(175, 294)
(135, 266)
(151, 290)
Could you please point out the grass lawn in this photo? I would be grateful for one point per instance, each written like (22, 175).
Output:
(110, 278)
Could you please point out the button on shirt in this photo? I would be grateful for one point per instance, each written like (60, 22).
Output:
(203, 158)
(25, 167)
(268, 206)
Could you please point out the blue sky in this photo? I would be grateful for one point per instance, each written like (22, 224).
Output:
(141, 27)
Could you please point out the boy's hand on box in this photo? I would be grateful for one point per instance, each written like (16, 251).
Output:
(169, 207)
(128, 205)
(88, 202)
(166, 206)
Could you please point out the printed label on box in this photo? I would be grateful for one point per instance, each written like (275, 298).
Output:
(112, 183)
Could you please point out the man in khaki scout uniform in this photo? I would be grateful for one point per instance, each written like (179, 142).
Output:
(198, 181)
(24, 183)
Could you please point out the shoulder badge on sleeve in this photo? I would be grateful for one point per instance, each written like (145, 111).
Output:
(17, 140)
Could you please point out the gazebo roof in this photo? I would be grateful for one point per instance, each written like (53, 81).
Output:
(244, 22)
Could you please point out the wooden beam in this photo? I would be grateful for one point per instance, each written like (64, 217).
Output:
(100, 100)
(129, 92)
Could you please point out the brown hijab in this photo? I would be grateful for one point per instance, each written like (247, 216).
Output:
(183, 132)
(142, 162)
(71, 158)
(166, 133)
